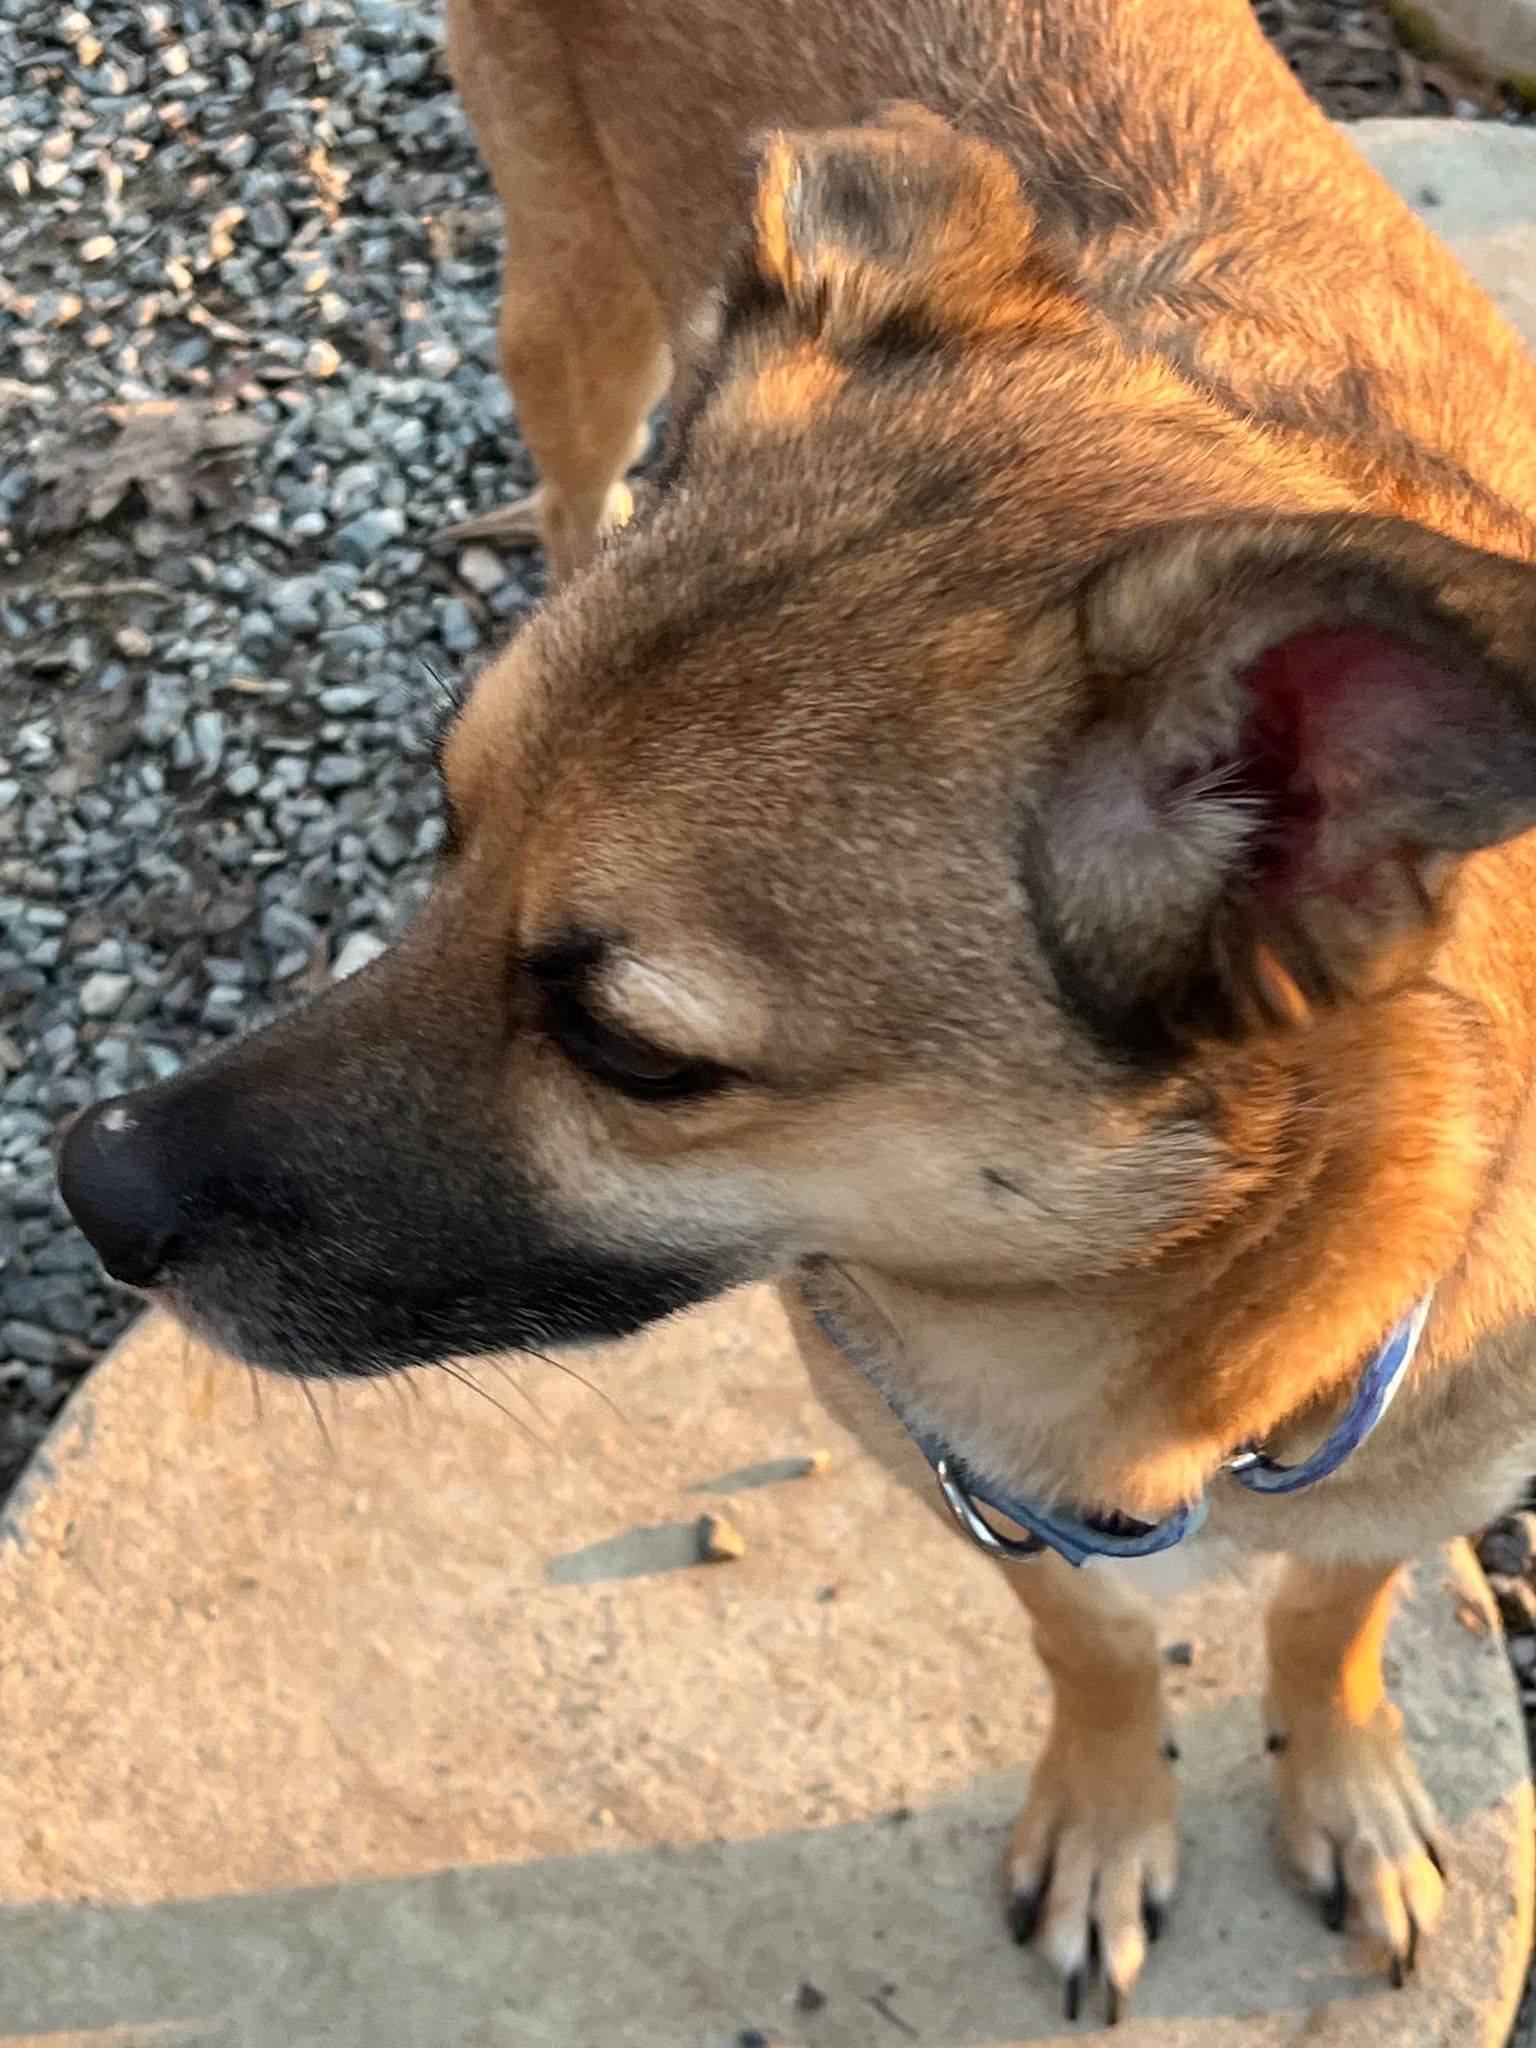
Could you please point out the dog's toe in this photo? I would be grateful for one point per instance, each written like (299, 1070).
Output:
(1358, 1828)
(1089, 1883)
(1024, 1912)
(1397, 1898)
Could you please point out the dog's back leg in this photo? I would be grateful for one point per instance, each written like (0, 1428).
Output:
(583, 345)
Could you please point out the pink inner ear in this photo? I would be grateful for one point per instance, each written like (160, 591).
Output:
(1333, 708)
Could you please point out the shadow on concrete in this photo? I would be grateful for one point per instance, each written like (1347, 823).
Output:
(353, 1708)
(893, 1922)
(633, 1554)
(765, 1472)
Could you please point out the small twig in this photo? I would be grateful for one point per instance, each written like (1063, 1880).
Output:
(128, 586)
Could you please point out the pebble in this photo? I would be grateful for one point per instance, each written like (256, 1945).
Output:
(359, 951)
(362, 538)
(284, 929)
(339, 771)
(30, 1342)
(207, 733)
(456, 626)
(481, 568)
(268, 225)
(343, 699)
(163, 1061)
(719, 1541)
(101, 994)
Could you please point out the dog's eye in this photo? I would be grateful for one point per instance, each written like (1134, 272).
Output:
(645, 1072)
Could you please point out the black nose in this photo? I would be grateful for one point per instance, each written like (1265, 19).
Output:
(110, 1180)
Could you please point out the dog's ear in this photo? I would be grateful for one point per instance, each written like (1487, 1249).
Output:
(1292, 730)
(897, 235)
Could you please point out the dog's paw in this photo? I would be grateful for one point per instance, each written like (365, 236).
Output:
(1360, 1831)
(1093, 1861)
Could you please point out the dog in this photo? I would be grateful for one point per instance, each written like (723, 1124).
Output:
(1022, 835)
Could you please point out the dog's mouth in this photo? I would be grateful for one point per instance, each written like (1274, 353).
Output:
(269, 1314)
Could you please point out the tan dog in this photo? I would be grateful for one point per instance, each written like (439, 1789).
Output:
(1008, 823)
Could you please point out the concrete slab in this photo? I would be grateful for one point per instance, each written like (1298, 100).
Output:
(330, 1741)
(1474, 182)
(419, 1731)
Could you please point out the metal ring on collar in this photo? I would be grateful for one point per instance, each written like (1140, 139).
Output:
(1010, 1549)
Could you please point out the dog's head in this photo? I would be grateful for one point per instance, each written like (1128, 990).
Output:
(917, 842)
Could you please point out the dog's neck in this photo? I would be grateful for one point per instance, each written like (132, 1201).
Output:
(1128, 1392)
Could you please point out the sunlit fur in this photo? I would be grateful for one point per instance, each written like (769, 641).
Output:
(899, 761)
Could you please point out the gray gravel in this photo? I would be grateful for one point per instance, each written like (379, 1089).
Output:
(221, 623)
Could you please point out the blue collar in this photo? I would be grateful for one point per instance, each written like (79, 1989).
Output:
(1080, 1538)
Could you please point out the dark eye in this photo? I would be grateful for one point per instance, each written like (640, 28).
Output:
(645, 1072)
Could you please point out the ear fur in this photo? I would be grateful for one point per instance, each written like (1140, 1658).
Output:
(896, 236)
(1293, 729)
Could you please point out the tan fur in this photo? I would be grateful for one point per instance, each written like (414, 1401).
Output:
(912, 763)
(1131, 1302)
(1129, 1299)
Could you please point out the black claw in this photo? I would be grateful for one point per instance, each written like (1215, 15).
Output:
(1072, 2002)
(1398, 1972)
(1152, 1918)
(1432, 1851)
(1114, 2003)
(1335, 1901)
(1411, 1957)
(1277, 1743)
(1171, 1750)
(1024, 1915)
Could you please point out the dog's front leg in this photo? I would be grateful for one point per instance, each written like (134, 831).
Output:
(1093, 1858)
(1355, 1820)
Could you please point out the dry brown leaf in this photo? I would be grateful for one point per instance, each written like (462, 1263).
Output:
(181, 456)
